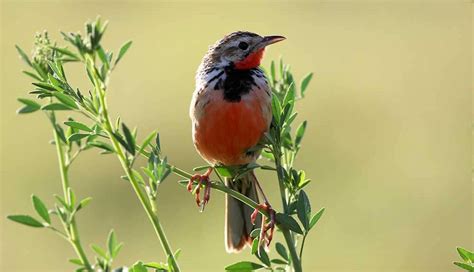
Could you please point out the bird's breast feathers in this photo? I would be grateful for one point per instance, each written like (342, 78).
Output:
(230, 114)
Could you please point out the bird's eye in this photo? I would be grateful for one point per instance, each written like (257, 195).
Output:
(243, 45)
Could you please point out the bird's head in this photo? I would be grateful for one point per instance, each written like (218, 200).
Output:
(241, 50)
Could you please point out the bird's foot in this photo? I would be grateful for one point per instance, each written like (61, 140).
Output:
(268, 223)
(201, 180)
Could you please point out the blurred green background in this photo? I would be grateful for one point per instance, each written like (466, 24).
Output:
(387, 147)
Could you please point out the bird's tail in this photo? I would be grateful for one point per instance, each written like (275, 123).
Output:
(238, 225)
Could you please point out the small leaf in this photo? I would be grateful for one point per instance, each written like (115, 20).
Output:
(244, 266)
(224, 171)
(300, 133)
(66, 100)
(32, 75)
(288, 222)
(255, 244)
(76, 261)
(122, 51)
(41, 208)
(263, 257)
(316, 218)
(23, 55)
(303, 208)
(78, 125)
(130, 139)
(466, 255)
(255, 233)
(272, 71)
(77, 137)
(112, 242)
(139, 267)
(465, 266)
(30, 106)
(305, 83)
(278, 261)
(26, 220)
(159, 266)
(146, 142)
(276, 109)
(280, 248)
(200, 168)
(101, 252)
(102, 145)
(83, 203)
(56, 107)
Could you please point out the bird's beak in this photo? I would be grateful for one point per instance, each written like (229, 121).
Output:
(267, 40)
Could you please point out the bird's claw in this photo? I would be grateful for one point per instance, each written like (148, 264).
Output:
(201, 180)
(268, 223)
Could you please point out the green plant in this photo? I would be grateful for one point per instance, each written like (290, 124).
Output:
(280, 149)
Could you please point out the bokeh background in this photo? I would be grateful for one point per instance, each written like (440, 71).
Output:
(388, 144)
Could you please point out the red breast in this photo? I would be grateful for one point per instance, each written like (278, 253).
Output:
(228, 130)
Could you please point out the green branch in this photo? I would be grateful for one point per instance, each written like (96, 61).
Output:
(73, 232)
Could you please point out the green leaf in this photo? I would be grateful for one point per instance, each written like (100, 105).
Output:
(65, 99)
(243, 266)
(465, 254)
(224, 171)
(129, 138)
(41, 208)
(255, 233)
(316, 218)
(83, 203)
(272, 71)
(30, 106)
(263, 257)
(465, 266)
(305, 83)
(123, 50)
(23, 55)
(26, 220)
(56, 107)
(78, 125)
(112, 242)
(255, 244)
(46, 86)
(100, 251)
(147, 141)
(32, 75)
(102, 145)
(303, 208)
(278, 261)
(276, 109)
(289, 95)
(300, 133)
(159, 266)
(200, 168)
(66, 52)
(77, 137)
(76, 261)
(288, 222)
(139, 267)
(280, 248)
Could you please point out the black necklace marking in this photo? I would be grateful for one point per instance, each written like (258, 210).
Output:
(237, 83)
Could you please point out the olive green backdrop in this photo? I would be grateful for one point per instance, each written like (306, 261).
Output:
(388, 143)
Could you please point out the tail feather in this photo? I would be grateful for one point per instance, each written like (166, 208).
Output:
(238, 225)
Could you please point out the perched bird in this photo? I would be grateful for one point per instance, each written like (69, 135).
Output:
(230, 112)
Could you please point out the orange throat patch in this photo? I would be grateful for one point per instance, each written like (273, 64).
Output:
(251, 61)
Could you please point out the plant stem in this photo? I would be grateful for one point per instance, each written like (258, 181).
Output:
(143, 198)
(73, 232)
(302, 247)
(295, 261)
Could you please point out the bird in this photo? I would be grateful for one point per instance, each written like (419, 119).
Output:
(230, 112)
